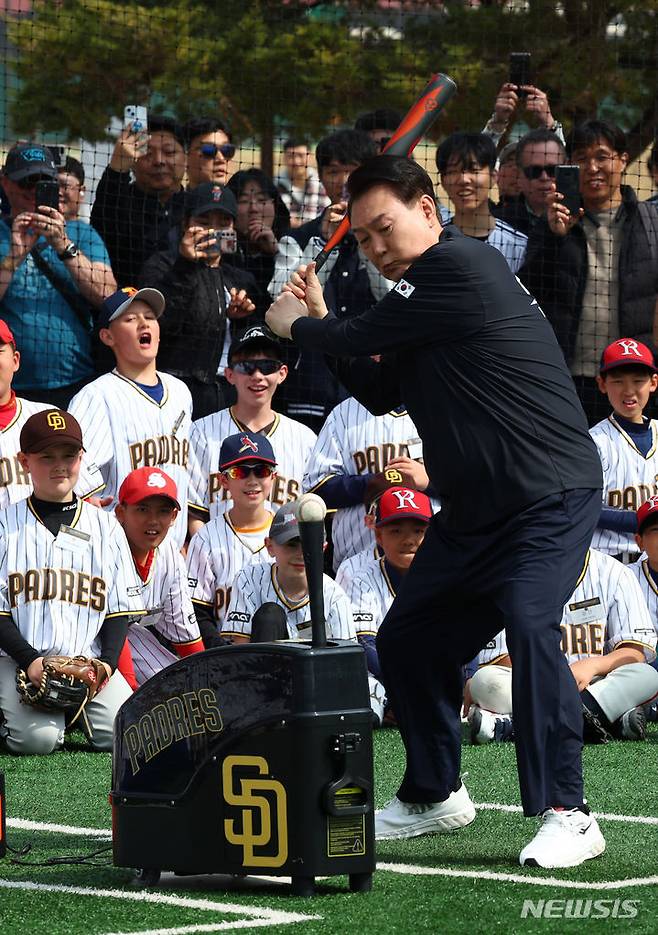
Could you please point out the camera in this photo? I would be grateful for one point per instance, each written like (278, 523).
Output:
(519, 71)
(47, 194)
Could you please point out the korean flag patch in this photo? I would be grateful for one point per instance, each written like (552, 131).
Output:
(404, 288)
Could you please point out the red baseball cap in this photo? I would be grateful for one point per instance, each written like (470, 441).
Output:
(648, 509)
(402, 503)
(626, 352)
(148, 482)
(6, 337)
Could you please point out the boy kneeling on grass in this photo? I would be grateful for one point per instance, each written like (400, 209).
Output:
(67, 587)
(147, 509)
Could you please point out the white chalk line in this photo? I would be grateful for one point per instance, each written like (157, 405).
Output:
(407, 869)
(604, 816)
(258, 916)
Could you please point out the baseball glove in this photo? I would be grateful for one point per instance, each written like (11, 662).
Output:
(67, 684)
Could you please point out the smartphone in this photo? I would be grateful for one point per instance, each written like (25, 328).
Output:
(567, 182)
(47, 193)
(519, 70)
(135, 118)
(226, 240)
(59, 155)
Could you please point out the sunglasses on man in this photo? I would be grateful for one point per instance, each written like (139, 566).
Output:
(532, 173)
(242, 471)
(210, 150)
(249, 367)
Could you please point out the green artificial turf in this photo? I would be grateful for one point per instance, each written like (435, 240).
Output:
(71, 788)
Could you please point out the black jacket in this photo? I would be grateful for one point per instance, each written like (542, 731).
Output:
(193, 326)
(133, 224)
(555, 272)
(516, 212)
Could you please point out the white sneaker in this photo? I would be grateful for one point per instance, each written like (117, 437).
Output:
(565, 839)
(485, 726)
(408, 820)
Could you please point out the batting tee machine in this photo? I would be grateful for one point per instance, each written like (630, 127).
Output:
(251, 759)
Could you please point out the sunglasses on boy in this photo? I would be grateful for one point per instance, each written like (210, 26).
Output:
(249, 367)
(242, 471)
(532, 173)
(210, 150)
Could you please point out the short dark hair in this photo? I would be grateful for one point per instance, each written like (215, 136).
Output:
(240, 179)
(201, 126)
(383, 119)
(588, 133)
(293, 141)
(403, 176)
(466, 147)
(345, 146)
(158, 123)
(652, 161)
(73, 166)
(540, 135)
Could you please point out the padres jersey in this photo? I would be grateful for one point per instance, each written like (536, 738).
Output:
(166, 597)
(255, 585)
(350, 566)
(629, 478)
(291, 442)
(648, 587)
(15, 483)
(371, 593)
(607, 609)
(125, 429)
(215, 556)
(353, 441)
(60, 589)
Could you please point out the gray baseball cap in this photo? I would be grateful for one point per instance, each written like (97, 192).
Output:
(284, 525)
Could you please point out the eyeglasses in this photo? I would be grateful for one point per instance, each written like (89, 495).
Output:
(210, 150)
(599, 159)
(242, 471)
(532, 173)
(249, 367)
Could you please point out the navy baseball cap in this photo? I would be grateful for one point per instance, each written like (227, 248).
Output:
(115, 304)
(627, 352)
(245, 446)
(257, 334)
(210, 197)
(29, 159)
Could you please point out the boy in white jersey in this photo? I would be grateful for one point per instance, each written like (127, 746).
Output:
(15, 483)
(147, 508)
(255, 370)
(628, 445)
(646, 572)
(609, 641)
(284, 583)
(401, 520)
(67, 587)
(236, 537)
(355, 458)
(136, 416)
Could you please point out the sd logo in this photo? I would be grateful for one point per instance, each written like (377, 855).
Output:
(256, 827)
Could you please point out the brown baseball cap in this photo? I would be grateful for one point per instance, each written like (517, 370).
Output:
(50, 427)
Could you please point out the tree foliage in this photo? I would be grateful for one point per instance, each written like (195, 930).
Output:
(268, 64)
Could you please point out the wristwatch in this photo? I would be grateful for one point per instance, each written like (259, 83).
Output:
(69, 252)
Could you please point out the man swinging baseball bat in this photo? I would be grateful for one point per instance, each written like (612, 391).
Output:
(506, 447)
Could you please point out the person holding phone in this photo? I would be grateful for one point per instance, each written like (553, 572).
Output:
(595, 271)
(511, 99)
(54, 273)
(140, 197)
(207, 297)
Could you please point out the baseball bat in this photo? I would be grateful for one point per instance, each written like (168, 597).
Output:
(311, 511)
(436, 94)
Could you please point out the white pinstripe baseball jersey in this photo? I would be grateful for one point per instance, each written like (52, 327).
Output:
(353, 441)
(124, 429)
(606, 609)
(648, 587)
(291, 441)
(166, 597)
(629, 478)
(60, 589)
(215, 556)
(255, 585)
(15, 483)
(371, 593)
(353, 564)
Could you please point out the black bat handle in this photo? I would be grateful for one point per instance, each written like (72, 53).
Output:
(312, 539)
